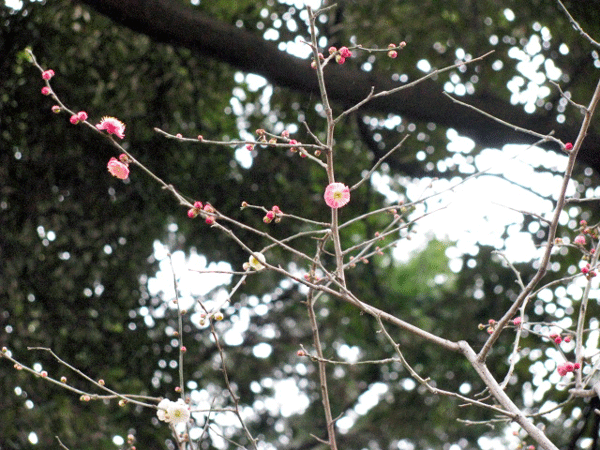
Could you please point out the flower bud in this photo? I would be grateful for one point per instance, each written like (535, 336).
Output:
(47, 74)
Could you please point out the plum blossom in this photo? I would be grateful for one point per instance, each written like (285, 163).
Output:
(118, 169)
(255, 263)
(47, 74)
(173, 412)
(337, 195)
(579, 240)
(567, 367)
(112, 126)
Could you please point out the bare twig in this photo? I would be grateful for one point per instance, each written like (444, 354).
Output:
(577, 26)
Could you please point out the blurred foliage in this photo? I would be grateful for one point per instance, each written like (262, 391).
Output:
(76, 245)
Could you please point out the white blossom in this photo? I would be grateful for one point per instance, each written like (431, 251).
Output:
(256, 263)
(173, 412)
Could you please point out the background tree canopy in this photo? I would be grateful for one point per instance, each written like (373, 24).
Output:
(77, 246)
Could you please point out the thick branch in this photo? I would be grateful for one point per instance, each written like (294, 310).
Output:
(172, 22)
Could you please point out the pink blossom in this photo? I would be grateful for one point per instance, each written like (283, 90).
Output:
(198, 205)
(345, 53)
(82, 116)
(392, 54)
(74, 119)
(118, 169)
(192, 212)
(46, 90)
(47, 74)
(112, 126)
(568, 146)
(567, 367)
(579, 240)
(337, 195)
(276, 209)
(517, 321)
(562, 370)
(56, 109)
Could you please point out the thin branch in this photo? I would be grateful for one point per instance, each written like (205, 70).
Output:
(577, 26)
(431, 74)
(180, 328)
(322, 371)
(63, 446)
(581, 321)
(234, 397)
(525, 213)
(114, 394)
(381, 160)
(544, 137)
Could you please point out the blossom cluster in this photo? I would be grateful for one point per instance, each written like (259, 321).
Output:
(588, 271)
(557, 338)
(392, 53)
(173, 412)
(567, 367)
(341, 54)
(109, 124)
(275, 213)
(198, 208)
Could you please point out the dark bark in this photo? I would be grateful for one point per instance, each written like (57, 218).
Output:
(171, 22)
